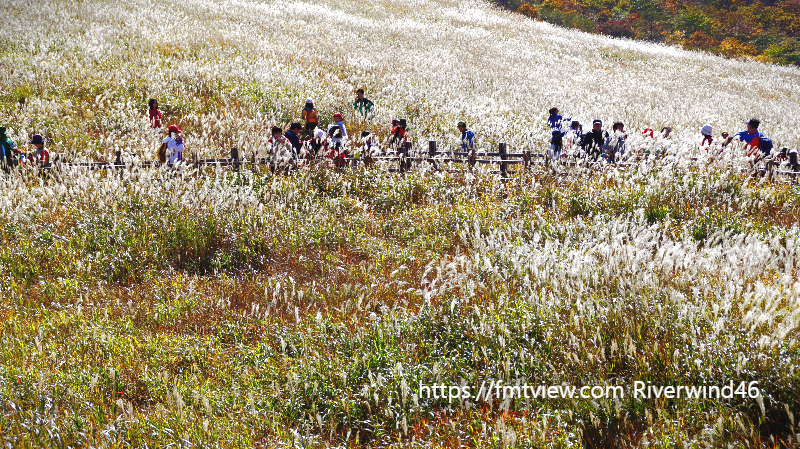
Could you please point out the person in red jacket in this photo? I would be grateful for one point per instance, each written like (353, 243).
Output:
(42, 155)
(155, 114)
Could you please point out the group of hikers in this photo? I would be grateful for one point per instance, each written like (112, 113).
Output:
(568, 138)
(11, 156)
(310, 140)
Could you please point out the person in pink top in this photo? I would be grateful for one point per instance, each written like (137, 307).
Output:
(155, 114)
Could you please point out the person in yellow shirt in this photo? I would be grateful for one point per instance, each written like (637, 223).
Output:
(310, 116)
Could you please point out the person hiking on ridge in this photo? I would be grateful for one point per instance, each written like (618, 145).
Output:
(42, 154)
(362, 105)
(707, 132)
(7, 147)
(594, 140)
(467, 138)
(175, 146)
(281, 152)
(573, 137)
(338, 120)
(615, 143)
(758, 145)
(369, 149)
(155, 114)
(310, 116)
(292, 135)
(337, 150)
(554, 121)
(399, 134)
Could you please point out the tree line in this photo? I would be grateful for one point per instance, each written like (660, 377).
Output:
(767, 30)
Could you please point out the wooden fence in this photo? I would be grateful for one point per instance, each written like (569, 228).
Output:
(403, 160)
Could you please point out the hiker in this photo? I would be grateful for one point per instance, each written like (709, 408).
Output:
(467, 138)
(594, 140)
(369, 149)
(281, 151)
(708, 139)
(794, 164)
(7, 153)
(399, 134)
(573, 137)
(155, 114)
(338, 120)
(615, 142)
(318, 144)
(42, 154)
(757, 145)
(310, 116)
(174, 141)
(292, 136)
(556, 144)
(554, 121)
(362, 105)
(723, 140)
(336, 146)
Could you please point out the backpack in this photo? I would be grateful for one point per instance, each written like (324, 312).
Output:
(765, 145)
(558, 139)
(162, 153)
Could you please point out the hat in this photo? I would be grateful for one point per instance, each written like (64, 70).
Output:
(597, 121)
(753, 122)
(338, 114)
(706, 130)
(174, 128)
(309, 100)
(37, 140)
(464, 124)
(365, 134)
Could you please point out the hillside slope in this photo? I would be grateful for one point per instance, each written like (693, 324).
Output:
(213, 307)
(227, 70)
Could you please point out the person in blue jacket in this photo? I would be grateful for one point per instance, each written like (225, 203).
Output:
(758, 145)
(554, 121)
(467, 137)
(293, 137)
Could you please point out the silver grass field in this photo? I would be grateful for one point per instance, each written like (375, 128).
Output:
(218, 308)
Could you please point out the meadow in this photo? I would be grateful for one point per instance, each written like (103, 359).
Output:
(250, 309)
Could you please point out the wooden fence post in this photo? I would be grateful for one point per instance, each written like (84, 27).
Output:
(235, 158)
(526, 159)
(770, 171)
(432, 153)
(502, 150)
(405, 162)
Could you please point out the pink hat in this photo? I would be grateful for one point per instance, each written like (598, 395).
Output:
(338, 114)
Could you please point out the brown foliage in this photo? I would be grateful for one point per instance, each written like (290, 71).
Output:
(526, 9)
(700, 41)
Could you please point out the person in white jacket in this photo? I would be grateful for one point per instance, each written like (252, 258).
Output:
(174, 143)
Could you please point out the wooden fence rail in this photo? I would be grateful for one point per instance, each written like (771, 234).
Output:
(404, 159)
